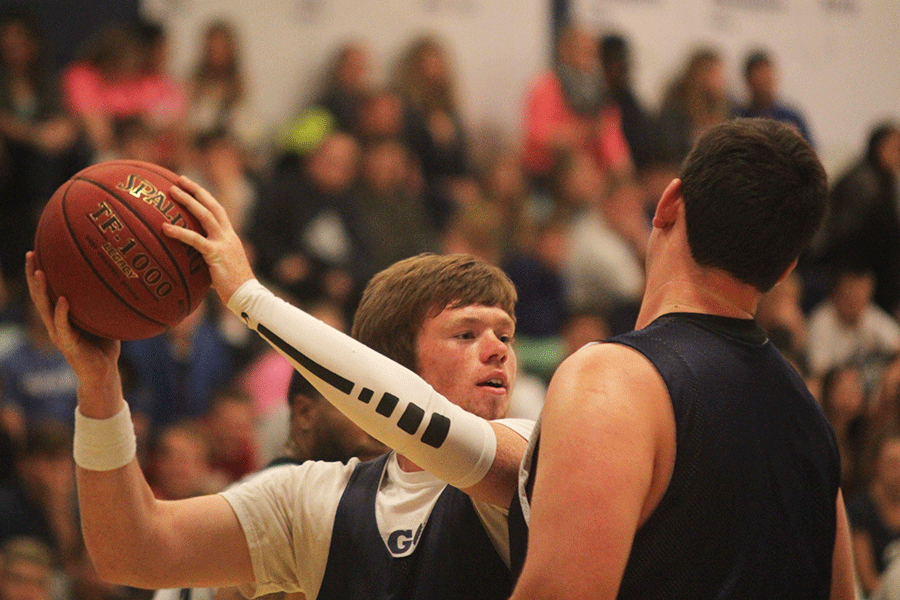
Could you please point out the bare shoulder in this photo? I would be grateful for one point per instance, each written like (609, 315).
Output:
(607, 351)
(605, 369)
(613, 392)
(608, 410)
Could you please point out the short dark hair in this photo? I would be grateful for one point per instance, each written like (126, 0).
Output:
(301, 386)
(754, 194)
(397, 300)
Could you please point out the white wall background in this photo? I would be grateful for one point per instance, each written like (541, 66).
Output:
(495, 46)
(839, 60)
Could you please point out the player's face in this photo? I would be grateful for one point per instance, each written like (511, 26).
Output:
(466, 355)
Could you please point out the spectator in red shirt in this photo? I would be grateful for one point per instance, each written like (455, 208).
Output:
(567, 109)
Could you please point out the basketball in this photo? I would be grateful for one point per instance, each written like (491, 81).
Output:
(100, 243)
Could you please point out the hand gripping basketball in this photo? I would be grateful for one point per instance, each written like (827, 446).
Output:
(221, 248)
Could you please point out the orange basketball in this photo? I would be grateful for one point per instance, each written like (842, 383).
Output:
(100, 243)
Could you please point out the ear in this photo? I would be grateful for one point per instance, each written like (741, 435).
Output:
(787, 271)
(302, 407)
(667, 207)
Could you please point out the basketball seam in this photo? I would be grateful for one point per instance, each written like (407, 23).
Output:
(140, 217)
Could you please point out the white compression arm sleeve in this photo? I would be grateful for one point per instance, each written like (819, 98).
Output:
(385, 399)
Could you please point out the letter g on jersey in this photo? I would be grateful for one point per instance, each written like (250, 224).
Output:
(400, 541)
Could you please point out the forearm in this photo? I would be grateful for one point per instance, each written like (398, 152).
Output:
(388, 401)
(115, 507)
(114, 502)
(136, 540)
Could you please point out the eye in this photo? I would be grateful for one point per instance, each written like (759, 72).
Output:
(505, 338)
(465, 335)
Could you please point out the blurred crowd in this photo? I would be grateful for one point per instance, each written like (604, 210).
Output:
(371, 171)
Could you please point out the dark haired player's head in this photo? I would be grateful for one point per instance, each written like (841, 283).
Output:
(397, 300)
(754, 194)
(319, 431)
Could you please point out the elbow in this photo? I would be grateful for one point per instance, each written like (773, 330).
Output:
(116, 564)
(110, 568)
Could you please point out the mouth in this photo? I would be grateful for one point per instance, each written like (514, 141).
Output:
(495, 383)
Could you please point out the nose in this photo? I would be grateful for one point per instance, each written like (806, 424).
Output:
(494, 348)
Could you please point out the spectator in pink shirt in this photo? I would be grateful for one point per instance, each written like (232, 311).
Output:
(567, 110)
(112, 82)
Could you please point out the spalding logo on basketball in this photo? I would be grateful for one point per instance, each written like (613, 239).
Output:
(100, 244)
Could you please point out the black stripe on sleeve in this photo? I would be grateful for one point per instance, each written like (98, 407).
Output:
(437, 430)
(438, 426)
(328, 376)
(387, 404)
(411, 418)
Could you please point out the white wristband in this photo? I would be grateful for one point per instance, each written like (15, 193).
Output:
(104, 444)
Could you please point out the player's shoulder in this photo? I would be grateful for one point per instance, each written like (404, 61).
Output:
(292, 476)
(606, 360)
(601, 380)
(521, 426)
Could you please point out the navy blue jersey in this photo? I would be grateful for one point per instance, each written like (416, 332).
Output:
(750, 508)
(454, 559)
